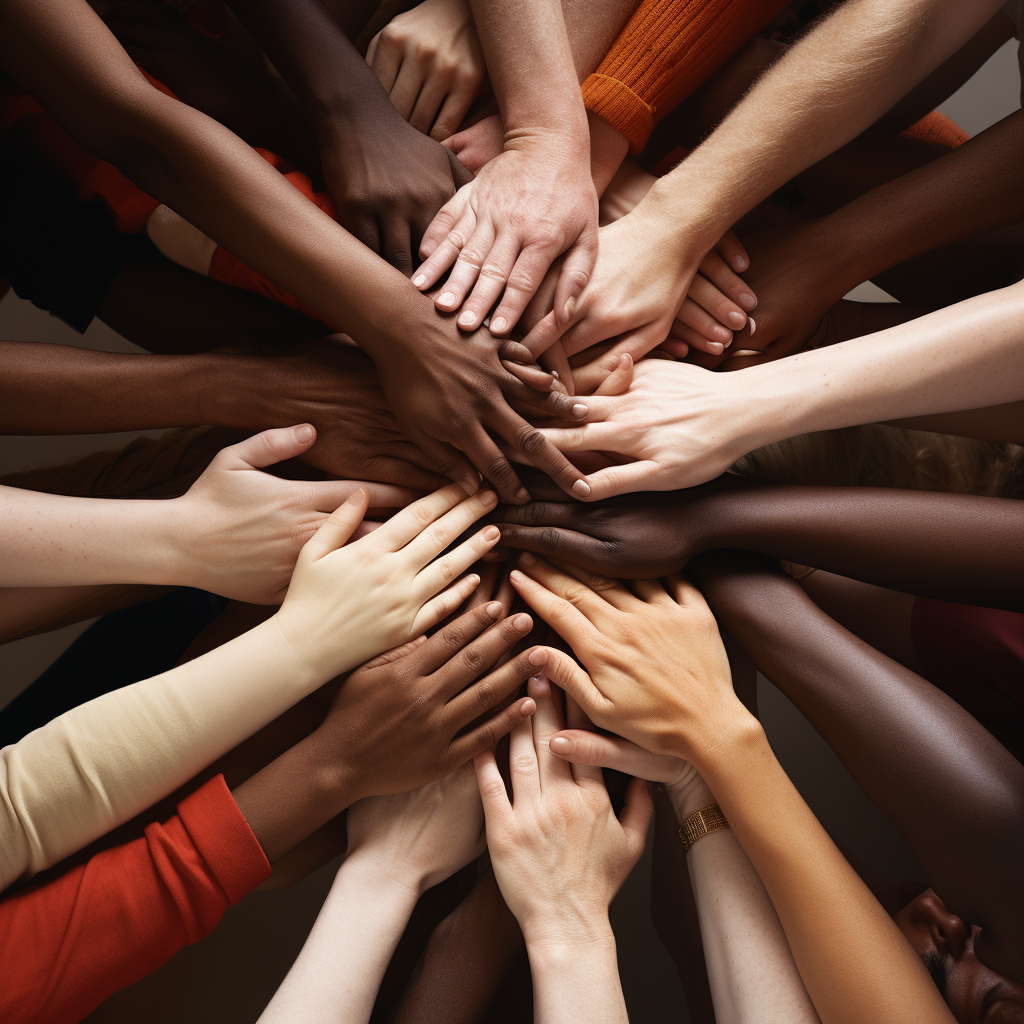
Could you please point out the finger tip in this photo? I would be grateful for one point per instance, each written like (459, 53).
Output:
(528, 707)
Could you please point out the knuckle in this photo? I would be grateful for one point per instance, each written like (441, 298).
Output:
(485, 695)
(473, 659)
(529, 440)
(549, 539)
(499, 470)
(451, 637)
(521, 762)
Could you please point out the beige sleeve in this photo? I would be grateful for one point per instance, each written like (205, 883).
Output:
(100, 764)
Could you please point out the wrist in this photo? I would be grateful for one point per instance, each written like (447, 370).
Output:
(690, 226)
(689, 797)
(390, 880)
(233, 391)
(724, 744)
(559, 934)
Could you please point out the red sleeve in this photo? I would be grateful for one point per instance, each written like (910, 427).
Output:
(69, 944)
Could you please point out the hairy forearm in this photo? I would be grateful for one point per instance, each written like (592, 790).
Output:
(953, 547)
(854, 962)
(578, 980)
(887, 724)
(531, 66)
(828, 88)
(928, 365)
(967, 191)
(340, 967)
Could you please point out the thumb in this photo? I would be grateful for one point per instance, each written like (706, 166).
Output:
(577, 266)
(461, 174)
(636, 816)
(270, 446)
(338, 527)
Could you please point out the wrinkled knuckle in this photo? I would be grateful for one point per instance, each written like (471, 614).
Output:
(492, 271)
(549, 539)
(499, 470)
(521, 762)
(534, 513)
(485, 695)
(529, 440)
(473, 659)
(446, 571)
(451, 637)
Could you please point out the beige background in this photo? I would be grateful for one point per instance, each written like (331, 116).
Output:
(230, 976)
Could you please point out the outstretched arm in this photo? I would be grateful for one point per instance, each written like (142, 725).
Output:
(854, 961)
(398, 847)
(920, 757)
(954, 547)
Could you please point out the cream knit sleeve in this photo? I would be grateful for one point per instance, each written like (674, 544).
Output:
(100, 764)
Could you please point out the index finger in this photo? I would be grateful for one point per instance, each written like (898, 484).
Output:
(408, 524)
(567, 621)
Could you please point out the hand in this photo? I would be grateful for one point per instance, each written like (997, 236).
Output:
(559, 853)
(407, 717)
(798, 275)
(239, 531)
(502, 231)
(348, 602)
(334, 386)
(685, 787)
(480, 143)
(387, 180)
(430, 63)
(423, 836)
(654, 667)
(682, 424)
(448, 389)
(635, 536)
(643, 291)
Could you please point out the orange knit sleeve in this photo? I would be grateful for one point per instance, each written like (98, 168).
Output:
(666, 50)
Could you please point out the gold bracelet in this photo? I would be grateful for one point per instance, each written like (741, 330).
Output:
(700, 823)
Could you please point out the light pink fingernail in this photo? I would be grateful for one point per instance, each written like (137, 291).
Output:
(445, 299)
(467, 319)
(737, 319)
(748, 300)
(753, 326)
(419, 280)
(499, 324)
(581, 488)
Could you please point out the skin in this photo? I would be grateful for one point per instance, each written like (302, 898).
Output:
(387, 179)
(236, 532)
(440, 380)
(854, 961)
(560, 855)
(534, 201)
(835, 82)
(945, 767)
(683, 425)
(430, 64)
(328, 384)
(750, 968)
(399, 847)
(882, 536)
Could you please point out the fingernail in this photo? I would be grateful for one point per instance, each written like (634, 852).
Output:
(488, 498)
(570, 307)
(516, 576)
(498, 324)
(739, 263)
(537, 657)
(522, 622)
(528, 706)
(723, 332)
(560, 745)
(554, 373)
(579, 411)
(494, 609)
(491, 533)
(527, 559)
(446, 299)
(715, 348)
(738, 320)
(753, 326)
(581, 487)
(747, 300)
(523, 494)
(419, 280)
(303, 433)
(467, 319)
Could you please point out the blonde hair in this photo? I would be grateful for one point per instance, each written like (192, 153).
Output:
(875, 455)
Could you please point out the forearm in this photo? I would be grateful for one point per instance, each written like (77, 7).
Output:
(854, 961)
(531, 67)
(102, 763)
(885, 724)
(969, 190)
(750, 967)
(953, 547)
(197, 167)
(578, 980)
(315, 57)
(829, 87)
(468, 957)
(928, 365)
(340, 967)
(55, 540)
(59, 389)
